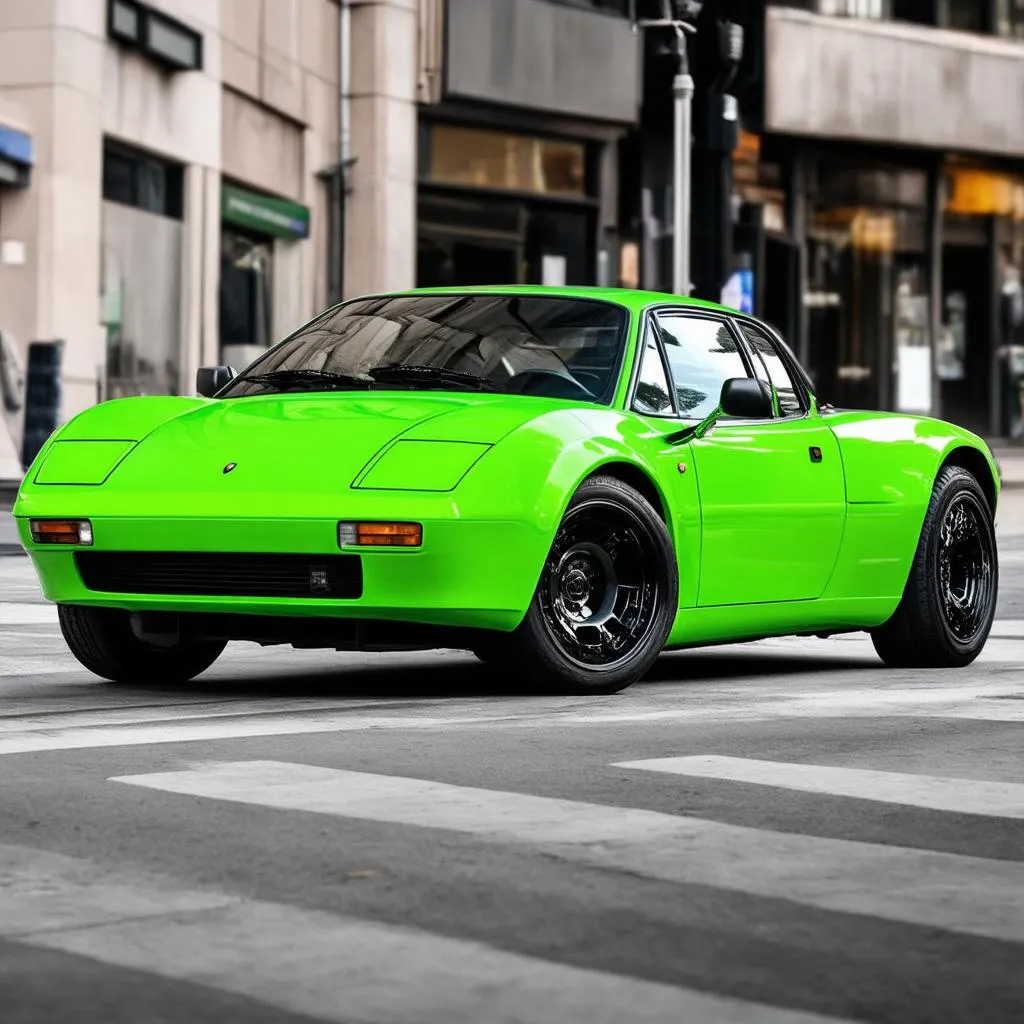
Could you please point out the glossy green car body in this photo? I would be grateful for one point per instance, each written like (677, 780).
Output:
(769, 541)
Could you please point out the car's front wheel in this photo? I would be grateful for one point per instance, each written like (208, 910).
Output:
(103, 640)
(949, 602)
(607, 595)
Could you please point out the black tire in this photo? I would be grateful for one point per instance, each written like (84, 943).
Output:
(611, 551)
(102, 639)
(949, 602)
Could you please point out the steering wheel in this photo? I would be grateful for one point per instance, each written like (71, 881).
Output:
(538, 381)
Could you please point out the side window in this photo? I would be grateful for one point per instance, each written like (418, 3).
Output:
(702, 356)
(769, 367)
(652, 394)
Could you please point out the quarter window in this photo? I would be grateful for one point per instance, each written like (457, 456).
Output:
(652, 389)
(702, 355)
(769, 367)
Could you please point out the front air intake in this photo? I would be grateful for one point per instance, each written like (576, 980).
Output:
(208, 574)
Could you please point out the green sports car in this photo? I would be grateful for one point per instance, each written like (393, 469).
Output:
(564, 481)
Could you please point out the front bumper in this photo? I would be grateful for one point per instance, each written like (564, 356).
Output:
(478, 574)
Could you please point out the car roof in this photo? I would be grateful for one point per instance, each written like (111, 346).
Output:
(632, 298)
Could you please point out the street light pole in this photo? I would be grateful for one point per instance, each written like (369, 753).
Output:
(682, 176)
(682, 143)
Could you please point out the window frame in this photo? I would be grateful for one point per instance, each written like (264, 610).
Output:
(732, 321)
(797, 374)
(794, 379)
(648, 328)
(145, 18)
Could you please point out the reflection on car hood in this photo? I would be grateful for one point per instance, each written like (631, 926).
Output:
(307, 442)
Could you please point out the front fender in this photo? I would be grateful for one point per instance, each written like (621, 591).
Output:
(530, 476)
(121, 419)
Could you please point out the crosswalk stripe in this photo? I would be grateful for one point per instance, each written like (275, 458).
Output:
(981, 703)
(939, 793)
(327, 966)
(195, 729)
(963, 894)
(17, 613)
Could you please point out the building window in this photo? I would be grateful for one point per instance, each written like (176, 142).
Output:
(134, 178)
(1010, 18)
(246, 296)
(964, 15)
(455, 155)
(168, 41)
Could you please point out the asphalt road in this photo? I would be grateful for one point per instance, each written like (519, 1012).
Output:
(781, 832)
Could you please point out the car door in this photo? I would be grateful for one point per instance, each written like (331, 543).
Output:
(772, 492)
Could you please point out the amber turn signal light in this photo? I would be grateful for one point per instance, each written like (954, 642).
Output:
(380, 535)
(61, 531)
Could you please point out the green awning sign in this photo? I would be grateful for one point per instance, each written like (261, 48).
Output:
(267, 214)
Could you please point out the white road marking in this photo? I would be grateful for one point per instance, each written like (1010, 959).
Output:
(285, 717)
(43, 892)
(26, 614)
(956, 893)
(960, 796)
(190, 730)
(322, 965)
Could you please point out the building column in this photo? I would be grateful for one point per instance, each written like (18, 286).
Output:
(380, 236)
(55, 293)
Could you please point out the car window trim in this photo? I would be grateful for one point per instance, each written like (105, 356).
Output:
(694, 313)
(733, 318)
(648, 323)
(796, 372)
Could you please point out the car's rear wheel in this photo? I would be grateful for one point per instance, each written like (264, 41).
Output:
(103, 640)
(949, 602)
(606, 599)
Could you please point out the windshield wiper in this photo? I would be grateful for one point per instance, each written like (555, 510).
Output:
(315, 380)
(432, 375)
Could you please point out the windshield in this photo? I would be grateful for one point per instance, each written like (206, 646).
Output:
(516, 344)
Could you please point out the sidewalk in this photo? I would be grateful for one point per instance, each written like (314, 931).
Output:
(1011, 465)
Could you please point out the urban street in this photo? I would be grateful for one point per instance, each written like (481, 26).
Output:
(781, 831)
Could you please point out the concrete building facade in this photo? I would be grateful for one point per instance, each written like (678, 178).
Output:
(182, 182)
(173, 208)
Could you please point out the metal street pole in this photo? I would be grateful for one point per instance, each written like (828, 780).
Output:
(673, 12)
(682, 176)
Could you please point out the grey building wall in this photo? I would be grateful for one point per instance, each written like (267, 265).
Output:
(530, 53)
(894, 83)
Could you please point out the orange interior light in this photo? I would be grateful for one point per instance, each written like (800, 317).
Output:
(61, 531)
(381, 535)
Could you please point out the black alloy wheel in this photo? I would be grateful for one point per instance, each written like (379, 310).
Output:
(600, 587)
(607, 594)
(966, 561)
(949, 602)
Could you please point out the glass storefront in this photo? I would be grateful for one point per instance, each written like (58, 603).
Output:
(503, 208)
(253, 225)
(981, 343)
(867, 289)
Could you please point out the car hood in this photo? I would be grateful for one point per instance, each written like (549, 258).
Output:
(277, 445)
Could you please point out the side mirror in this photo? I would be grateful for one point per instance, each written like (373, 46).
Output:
(210, 379)
(741, 397)
(747, 399)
